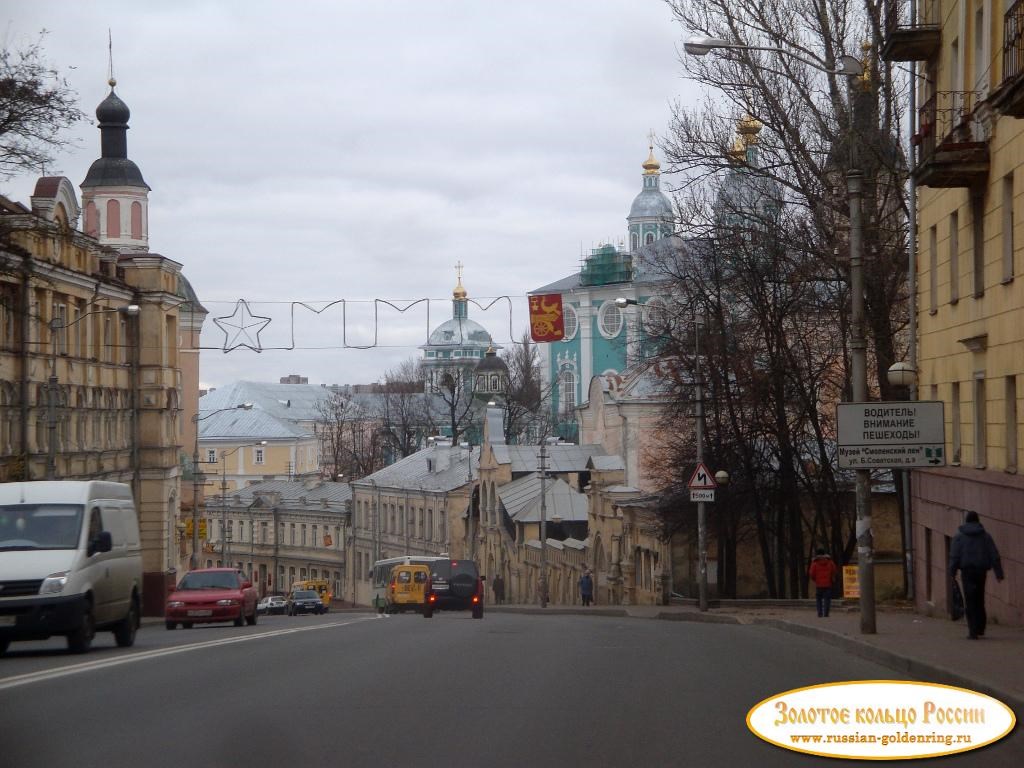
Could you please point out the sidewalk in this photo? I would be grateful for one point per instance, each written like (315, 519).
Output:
(929, 649)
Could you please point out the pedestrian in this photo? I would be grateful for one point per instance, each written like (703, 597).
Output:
(586, 588)
(823, 572)
(973, 554)
(498, 585)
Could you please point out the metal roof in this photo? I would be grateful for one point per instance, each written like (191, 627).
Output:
(561, 457)
(521, 499)
(236, 423)
(439, 468)
(293, 491)
(607, 463)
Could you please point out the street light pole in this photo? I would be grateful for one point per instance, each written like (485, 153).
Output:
(850, 66)
(702, 515)
(543, 527)
(225, 549)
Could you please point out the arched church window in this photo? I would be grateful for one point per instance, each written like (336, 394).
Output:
(634, 241)
(92, 220)
(566, 392)
(113, 218)
(648, 238)
(136, 220)
(570, 322)
(494, 383)
(655, 316)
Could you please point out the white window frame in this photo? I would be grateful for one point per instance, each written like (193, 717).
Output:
(568, 310)
(606, 309)
(258, 456)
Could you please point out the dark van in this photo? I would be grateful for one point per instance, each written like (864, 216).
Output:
(455, 585)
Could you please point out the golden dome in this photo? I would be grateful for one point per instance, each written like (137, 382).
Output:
(651, 165)
(749, 127)
(459, 292)
(737, 153)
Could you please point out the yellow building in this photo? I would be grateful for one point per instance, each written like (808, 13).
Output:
(969, 171)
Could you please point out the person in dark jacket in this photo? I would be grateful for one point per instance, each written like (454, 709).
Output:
(586, 588)
(823, 573)
(973, 554)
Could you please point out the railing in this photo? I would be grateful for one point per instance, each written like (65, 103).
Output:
(1013, 41)
(946, 120)
(899, 16)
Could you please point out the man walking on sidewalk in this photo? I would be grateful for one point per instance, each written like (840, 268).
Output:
(823, 573)
(973, 553)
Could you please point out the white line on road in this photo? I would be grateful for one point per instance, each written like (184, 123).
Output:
(90, 666)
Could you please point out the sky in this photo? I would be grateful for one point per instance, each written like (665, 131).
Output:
(329, 163)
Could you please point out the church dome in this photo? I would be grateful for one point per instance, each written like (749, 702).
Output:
(491, 362)
(460, 332)
(112, 110)
(651, 202)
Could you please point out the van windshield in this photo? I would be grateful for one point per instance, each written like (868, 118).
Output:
(40, 526)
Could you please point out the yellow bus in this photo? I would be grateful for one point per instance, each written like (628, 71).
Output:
(321, 586)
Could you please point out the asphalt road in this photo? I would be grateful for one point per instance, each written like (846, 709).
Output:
(361, 690)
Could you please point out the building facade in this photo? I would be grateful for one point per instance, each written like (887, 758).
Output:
(601, 337)
(91, 336)
(969, 171)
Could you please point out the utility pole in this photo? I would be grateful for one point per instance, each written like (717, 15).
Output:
(543, 526)
(702, 514)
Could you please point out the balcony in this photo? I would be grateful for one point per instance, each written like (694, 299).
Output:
(910, 36)
(952, 142)
(1009, 97)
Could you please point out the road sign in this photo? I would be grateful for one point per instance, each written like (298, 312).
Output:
(702, 478)
(702, 494)
(851, 585)
(891, 434)
(202, 527)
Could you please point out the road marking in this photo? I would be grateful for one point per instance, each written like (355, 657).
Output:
(90, 666)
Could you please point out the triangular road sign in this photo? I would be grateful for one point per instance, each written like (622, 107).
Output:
(702, 478)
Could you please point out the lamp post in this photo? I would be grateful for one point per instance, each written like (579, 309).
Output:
(852, 67)
(52, 385)
(197, 477)
(543, 581)
(225, 550)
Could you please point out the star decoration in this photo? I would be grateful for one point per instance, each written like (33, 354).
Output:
(242, 328)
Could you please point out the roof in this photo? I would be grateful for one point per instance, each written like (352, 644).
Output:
(560, 457)
(606, 463)
(239, 423)
(646, 269)
(292, 402)
(292, 491)
(521, 499)
(438, 468)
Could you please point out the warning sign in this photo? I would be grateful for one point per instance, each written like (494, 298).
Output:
(702, 479)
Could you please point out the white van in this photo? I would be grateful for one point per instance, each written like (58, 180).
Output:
(70, 562)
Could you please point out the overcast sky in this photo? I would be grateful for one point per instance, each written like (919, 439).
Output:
(324, 151)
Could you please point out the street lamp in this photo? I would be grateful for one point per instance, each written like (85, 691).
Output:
(543, 581)
(57, 324)
(197, 477)
(700, 46)
(224, 550)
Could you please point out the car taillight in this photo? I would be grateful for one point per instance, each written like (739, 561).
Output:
(433, 597)
(392, 589)
(476, 598)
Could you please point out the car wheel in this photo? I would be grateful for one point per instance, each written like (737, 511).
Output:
(124, 632)
(186, 625)
(428, 613)
(4, 643)
(80, 640)
(252, 619)
(478, 612)
(241, 616)
(171, 624)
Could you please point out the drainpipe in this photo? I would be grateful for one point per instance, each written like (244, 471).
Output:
(26, 296)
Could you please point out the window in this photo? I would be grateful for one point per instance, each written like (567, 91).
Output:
(259, 456)
(933, 270)
(978, 244)
(609, 320)
(655, 317)
(291, 534)
(954, 257)
(113, 219)
(92, 224)
(303, 535)
(211, 456)
(136, 220)
(59, 319)
(312, 543)
(954, 406)
(570, 321)
(1011, 424)
(566, 392)
(1007, 228)
(634, 241)
(980, 422)
(430, 525)
(263, 533)
(648, 238)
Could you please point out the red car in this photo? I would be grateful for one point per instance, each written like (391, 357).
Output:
(211, 594)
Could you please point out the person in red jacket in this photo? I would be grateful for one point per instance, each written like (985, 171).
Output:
(823, 573)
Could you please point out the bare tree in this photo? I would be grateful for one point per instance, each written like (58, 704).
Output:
(36, 106)
(350, 438)
(454, 390)
(527, 399)
(764, 215)
(406, 412)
